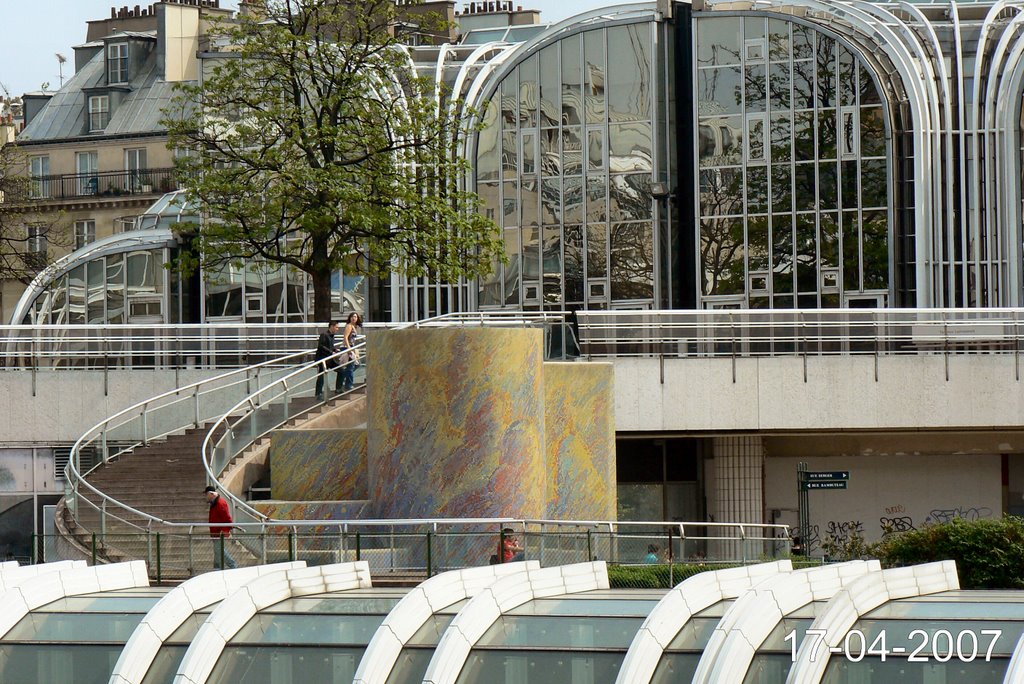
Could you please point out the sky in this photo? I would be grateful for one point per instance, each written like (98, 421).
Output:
(32, 32)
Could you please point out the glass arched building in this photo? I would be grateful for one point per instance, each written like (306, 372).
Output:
(780, 154)
(791, 154)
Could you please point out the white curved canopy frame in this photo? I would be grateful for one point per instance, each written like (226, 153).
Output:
(753, 616)
(237, 609)
(676, 608)
(171, 611)
(416, 607)
(507, 593)
(859, 597)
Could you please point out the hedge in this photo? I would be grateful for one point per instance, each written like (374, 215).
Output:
(989, 554)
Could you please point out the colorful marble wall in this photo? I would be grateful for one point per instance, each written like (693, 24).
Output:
(456, 423)
(579, 435)
(315, 510)
(318, 465)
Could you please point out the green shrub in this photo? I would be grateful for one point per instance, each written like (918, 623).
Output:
(656, 576)
(989, 554)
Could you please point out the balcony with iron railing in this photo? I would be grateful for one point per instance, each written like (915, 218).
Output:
(104, 185)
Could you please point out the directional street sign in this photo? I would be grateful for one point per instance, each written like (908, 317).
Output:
(826, 484)
(814, 475)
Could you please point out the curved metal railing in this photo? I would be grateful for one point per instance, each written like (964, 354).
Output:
(170, 412)
(245, 404)
(223, 400)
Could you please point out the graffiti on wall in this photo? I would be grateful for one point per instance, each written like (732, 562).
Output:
(896, 519)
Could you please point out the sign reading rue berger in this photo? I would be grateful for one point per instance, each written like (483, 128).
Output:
(826, 479)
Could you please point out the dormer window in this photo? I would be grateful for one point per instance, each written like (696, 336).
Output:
(99, 112)
(117, 63)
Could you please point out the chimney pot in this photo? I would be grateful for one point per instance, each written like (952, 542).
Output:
(113, 13)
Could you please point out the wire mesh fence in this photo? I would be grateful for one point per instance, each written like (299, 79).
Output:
(636, 558)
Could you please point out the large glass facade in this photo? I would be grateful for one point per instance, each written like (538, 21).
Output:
(794, 182)
(565, 165)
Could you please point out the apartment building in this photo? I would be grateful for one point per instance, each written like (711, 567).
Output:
(96, 149)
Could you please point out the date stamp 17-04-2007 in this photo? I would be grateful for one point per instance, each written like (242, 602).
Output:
(918, 646)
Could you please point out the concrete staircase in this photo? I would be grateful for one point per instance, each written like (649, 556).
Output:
(164, 479)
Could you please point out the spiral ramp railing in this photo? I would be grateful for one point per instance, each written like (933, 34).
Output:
(143, 498)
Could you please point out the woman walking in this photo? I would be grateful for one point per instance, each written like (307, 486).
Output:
(353, 323)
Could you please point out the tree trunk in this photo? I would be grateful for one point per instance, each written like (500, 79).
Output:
(321, 295)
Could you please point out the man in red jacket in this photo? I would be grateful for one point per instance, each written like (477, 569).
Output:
(220, 513)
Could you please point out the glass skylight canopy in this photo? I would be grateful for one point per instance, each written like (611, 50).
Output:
(552, 627)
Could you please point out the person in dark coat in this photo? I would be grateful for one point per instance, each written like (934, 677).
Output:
(220, 513)
(324, 349)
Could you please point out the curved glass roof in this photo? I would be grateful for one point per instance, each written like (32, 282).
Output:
(961, 637)
(679, 661)
(318, 638)
(74, 639)
(555, 639)
(968, 635)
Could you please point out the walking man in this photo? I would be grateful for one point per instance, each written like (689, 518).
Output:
(220, 513)
(324, 349)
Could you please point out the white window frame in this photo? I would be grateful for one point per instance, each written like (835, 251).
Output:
(761, 118)
(755, 49)
(849, 148)
(85, 233)
(117, 63)
(135, 163)
(88, 178)
(35, 238)
(99, 112)
(39, 168)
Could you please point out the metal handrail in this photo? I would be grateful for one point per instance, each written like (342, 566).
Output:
(732, 333)
(253, 401)
(151, 346)
(193, 392)
(75, 478)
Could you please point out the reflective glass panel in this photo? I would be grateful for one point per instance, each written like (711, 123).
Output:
(897, 670)
(550, 87)
(755, 88)
(803, 85)
(594, 75)
(38, 663)
(572, 75)
(630, 197)
(632, 262)
(272, 665)
(282, 628)
(722, 247)
(719, 91)
(539, 667)
(721, 192)
(629, 72)
(165, 665)
(876, 251)
(561, 632)
(589, 607)
(826, 62)
(629, 147)
(573, 241)
(597, 247)
(721, 141)
(718, 41)
(676, 667)
(487, 157)
(72, 627)
(528, 92)
(572, 151)
(410, 666)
